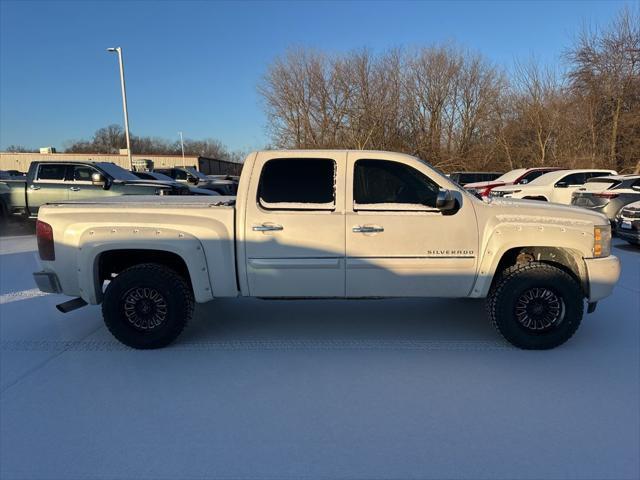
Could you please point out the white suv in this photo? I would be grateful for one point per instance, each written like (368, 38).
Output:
(554, 187)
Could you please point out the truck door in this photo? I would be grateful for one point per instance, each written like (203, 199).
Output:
(47, 186)
(294, 226)
(398, 243)
(80, 185)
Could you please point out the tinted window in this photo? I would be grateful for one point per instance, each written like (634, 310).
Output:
(297, 181)
(82, 173)
(574, 179)
(382, 181)
(179, 174)
(532, 175)
(589, 175)
(51, 171)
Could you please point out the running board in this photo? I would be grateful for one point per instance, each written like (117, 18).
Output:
(71, 305)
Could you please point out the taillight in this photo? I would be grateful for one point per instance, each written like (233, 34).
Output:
(605, 195)
(44, 234)
(485, 192)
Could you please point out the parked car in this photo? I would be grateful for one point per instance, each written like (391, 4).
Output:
(328, 224)
(554, 187)
(76, 180)
(11, 174)
(191, 176)
(608, 194)
(163, 178)
(519, 176)
(463, 178)
(627, 223)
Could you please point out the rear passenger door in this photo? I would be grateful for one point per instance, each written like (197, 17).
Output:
(47, 186)
(294, 227)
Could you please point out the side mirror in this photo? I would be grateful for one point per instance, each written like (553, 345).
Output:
(98, 179)
(193, 180)
(445, 201)
(561, 185)
(524, 181)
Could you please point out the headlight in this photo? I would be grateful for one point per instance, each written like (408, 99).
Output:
(601, 241)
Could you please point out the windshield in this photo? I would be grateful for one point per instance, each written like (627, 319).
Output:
(511, 176)
(161, 176)
(116, 172)
(196, 173)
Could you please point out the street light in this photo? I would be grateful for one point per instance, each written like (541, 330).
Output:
(182, 145)
(118, 50)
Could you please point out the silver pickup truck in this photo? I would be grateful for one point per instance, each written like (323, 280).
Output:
(328, 224)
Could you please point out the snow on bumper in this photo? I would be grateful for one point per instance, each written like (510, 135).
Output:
(603, 274)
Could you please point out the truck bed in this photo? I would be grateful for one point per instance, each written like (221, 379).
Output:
(199, 229)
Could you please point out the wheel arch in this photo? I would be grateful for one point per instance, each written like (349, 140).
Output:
(566, 259)
(105, 253)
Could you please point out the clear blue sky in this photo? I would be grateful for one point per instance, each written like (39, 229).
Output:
(194, 66)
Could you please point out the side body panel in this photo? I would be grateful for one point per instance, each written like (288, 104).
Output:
(202, 236)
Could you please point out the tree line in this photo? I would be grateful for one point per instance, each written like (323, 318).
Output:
(111, 139)
(457, 110)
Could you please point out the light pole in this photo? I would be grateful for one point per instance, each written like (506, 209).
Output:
(182, 145)
(118, 50)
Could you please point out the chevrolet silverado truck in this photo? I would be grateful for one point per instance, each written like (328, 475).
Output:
(327, 224)
(75, 180)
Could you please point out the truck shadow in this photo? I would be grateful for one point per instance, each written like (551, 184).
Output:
(365, 322)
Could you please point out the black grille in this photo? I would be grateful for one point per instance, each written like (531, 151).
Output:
(631, 212)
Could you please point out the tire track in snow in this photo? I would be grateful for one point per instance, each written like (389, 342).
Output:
(261, 345)
(22, 295)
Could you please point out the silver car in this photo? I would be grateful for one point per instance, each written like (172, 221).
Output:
(608, 194)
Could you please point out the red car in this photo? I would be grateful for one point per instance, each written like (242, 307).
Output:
(513, 177)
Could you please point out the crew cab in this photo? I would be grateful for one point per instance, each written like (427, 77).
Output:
(327, 224)
(554, 187)
(519, 176)
(76, 180)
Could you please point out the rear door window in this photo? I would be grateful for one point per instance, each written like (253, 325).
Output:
(574, 179)
(298, 184)
(52, 171)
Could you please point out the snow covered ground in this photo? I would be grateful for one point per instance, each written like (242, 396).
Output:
(380, 389)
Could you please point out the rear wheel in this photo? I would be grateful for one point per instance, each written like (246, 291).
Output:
(536, 306)
(147, 306)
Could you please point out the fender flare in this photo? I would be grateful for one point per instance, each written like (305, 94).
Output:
(507, 237)
(96, 241)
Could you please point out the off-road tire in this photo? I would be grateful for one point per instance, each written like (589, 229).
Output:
(177, 305)
(514, 282)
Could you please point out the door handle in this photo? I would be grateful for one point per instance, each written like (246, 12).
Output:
(34, 187)
(267, 227)
(74, 189)
(367, 229)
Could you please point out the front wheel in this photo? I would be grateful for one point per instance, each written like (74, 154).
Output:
(147, 306)
(536, 306)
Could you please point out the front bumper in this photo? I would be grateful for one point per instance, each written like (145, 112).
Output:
(47, 282)
(603, 274)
